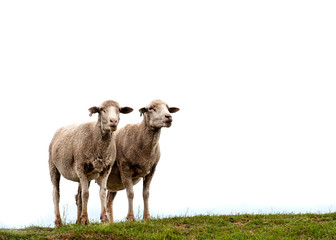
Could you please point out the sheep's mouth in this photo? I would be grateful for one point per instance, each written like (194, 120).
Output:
(113, 127)
(168, 122)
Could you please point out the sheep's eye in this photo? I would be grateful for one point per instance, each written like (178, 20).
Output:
(103, 110)
(150, 108)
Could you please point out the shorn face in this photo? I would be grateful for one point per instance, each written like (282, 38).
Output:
(158, 114)
(109, 116)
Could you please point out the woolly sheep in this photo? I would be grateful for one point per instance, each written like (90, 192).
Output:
(85, 152)
(138, 153)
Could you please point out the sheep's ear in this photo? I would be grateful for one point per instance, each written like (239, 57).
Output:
(173, 109)
(93, 110)
(126, 110)
(142, 111)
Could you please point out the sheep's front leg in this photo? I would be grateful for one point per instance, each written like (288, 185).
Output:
(145, 193)
(102, 194)
(128, 183)
(109, 207)
(84, 183)
(78, 198)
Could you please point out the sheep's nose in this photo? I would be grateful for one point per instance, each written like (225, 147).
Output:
(114, 121)
(169, 117)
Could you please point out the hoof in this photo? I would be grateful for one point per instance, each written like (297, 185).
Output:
(58, 223)
(104, 219)
(131, 218)
(84, 220)
(147, 218)
(110, 218)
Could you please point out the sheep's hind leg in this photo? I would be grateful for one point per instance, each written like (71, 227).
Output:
(55, 179)
(109, 207)
(78, 198)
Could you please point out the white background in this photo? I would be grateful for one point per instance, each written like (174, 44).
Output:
(255, 82)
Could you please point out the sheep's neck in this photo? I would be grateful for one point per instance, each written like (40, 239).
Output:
(149, 138)
(104, 140)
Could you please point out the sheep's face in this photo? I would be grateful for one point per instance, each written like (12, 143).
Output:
(109, 116)
(158, 114)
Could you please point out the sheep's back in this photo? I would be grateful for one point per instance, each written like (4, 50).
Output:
(126, 136)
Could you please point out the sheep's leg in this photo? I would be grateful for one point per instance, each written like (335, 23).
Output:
(78, 198)
(126, 178)
(84, 183)
(102, 194)
(128, 183)
(145, 193)
(55, 179)
(110, 198)
(130, 196)
(79, 203)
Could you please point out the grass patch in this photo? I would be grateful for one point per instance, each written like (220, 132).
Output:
(245, 226)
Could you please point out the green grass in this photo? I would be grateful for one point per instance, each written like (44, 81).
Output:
(245, 226)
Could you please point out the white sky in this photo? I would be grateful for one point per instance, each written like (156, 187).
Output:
(255, 82)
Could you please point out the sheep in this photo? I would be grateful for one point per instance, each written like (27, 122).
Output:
(85, 152)
(138, 153)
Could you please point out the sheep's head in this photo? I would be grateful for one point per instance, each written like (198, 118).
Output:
(109, 113)
(157, 114)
